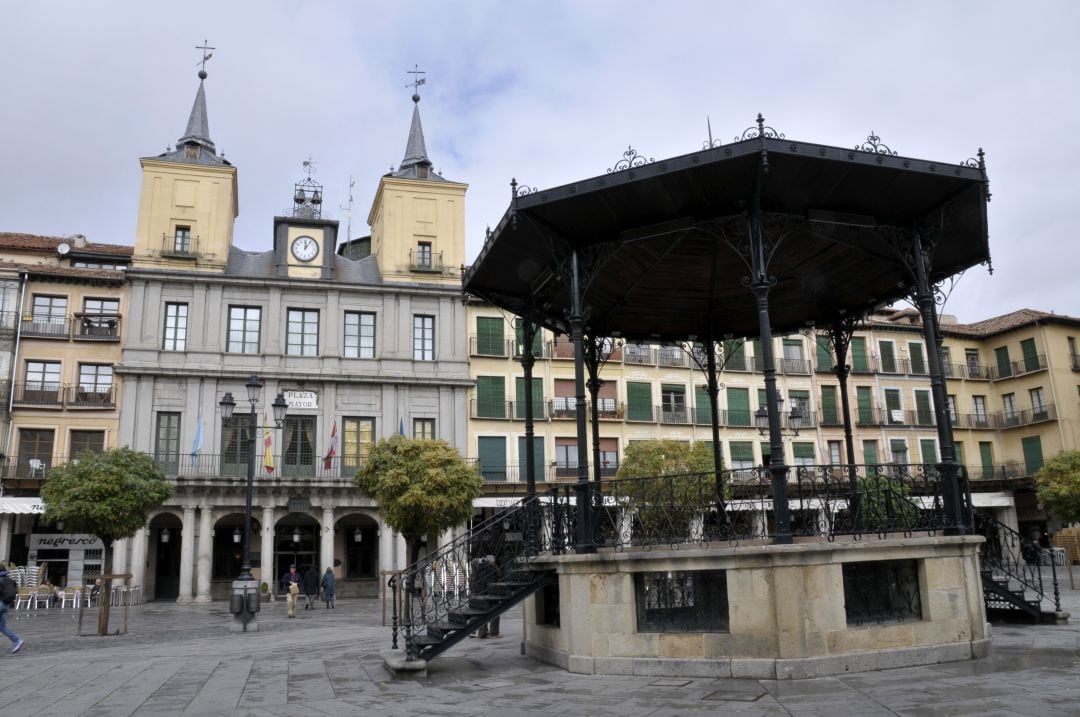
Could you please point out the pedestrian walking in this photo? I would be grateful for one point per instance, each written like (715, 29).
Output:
(8, 592)
(328, 587)
(311, 587)
(290, 585)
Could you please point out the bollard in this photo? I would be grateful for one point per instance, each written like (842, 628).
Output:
(244, 604)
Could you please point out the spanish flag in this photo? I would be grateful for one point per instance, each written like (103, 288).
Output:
(268, 446)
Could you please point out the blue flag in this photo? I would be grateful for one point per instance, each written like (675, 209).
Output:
(196, 445)
(401, 421)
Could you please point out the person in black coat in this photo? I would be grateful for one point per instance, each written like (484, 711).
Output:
(311, 588)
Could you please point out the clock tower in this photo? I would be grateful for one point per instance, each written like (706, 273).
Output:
(304, 243)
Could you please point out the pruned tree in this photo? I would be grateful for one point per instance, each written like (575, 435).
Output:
(108, 495)
(422, 487)
(1058, 485)
(668, 487)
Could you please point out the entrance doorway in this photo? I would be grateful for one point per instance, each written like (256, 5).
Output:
(296, 543)
(167, 564)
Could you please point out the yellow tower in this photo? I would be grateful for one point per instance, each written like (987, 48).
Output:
(188, 202)
(417, 218)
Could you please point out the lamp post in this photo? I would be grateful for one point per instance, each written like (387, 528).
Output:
(761, 417)
(245, 581)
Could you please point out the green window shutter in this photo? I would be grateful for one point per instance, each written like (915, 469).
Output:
(490, 397)
(1004, 367)
(986, 457)
(825, 360)
(538, 459)
(766, 451)
(869, 451)
(892, 403)
(803, 450)
(639, 401)
(924, 415)
(829, 414)
(1033, 455)
(735, 355)
(742, 451)
(1031, 356)
(799, 395)
(888, 356)
(759, 359)
(959, 452)
(898, 448)
(538, 398)
(762, 397)
(918, 359)
(702, 406)
(865, 402)
(519, 338)
(738, 407)
(491, 451)
(489, 337)
(928, 450)
(858, 355)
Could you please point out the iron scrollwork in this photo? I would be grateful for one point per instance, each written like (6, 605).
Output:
(630, 158)
(874, 145)
(760, 130)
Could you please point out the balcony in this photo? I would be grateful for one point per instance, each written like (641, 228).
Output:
(865, 367)
(496, 410)
(540, 410)
(46, 327)
(494, 348)
(99, 397)
(232, 467)
(795, 366)
(737, 419)
(639, 355)
(1026, 417)
(972, 421)
(674, 415)
(96, 327)
(825, 367)
(541, 350)
(1012, 369)
(671, 356)
(40, 394)
(867, 417)
(976, 372)
(426, 262)
(1074, 360)
(737, 362)
(179, 246)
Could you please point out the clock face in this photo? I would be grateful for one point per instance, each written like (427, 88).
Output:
(305, 248)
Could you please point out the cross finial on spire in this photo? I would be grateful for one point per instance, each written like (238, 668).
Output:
(309, 166)
(206, 55)
(418, 80)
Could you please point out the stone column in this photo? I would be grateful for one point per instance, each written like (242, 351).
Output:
(326, 550)
(5, 535)
(138, 556)
(266, 549)
(187, 554)
(119, 556)
(205, 554)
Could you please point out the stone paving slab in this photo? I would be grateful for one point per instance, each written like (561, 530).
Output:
(181, 660)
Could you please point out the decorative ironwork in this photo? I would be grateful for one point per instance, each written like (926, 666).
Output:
(1011, 567)
(692, 601)
(874, 146)
(881, 591)
(524, 190)
(307, 194)
(761, 130)
(630, 158)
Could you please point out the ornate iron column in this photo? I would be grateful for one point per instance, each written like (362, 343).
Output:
(528, 360)
(840, 333)
(957, 517)
(576, 317)
(593, 362)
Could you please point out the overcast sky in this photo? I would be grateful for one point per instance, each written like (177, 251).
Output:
(548, 92)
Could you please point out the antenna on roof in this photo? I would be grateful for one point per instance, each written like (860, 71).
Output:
(348, 210)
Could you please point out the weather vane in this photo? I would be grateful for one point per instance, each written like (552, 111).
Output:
(309, 166)
(416, 72)
(205, 56)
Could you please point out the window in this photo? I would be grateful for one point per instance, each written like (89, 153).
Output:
(835, 453)
(244, 323)
(82, 441)
(537, 398)
(825, 360)
(1004, 365)
(673, 404)
(974, 368)
(946, 362)
(950, 404)
(298, 446)
(490, 397)
(538, 459)
(609, 456)
(491, 451)
(489, 337)
(869, 452)
(519, 339)
(986, 457)
(359, 334)
(302, 332)
(898, 449)
(176, 316)
(803, 453)
(928, 448)
(1008, 401)
(864, 403)
(859, 362)
(918, 358)
(42, 375)
(424, 428)
(1033, 455)
(735, 355)
(95, 385)
(49, 309)
(237, 435)
(742, 459)
(423, 255)
(887, 351)
(800, 399)
(681, 601)
(978, 406)
(99, 307)
(357, 438)
(738, 407)
(167, 441)
(894, 414)
(1038, 404)
(924, 414)
(881, 591)
(35, 453)
(107, 266)
(1032, 361)
(182, 240)
(639, 401)
(566, 457)
(423, 338)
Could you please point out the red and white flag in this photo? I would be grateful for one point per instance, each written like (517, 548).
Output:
(328, 461)
(268, 447)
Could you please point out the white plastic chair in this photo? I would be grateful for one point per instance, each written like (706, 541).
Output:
(69, 596)
(36, 466)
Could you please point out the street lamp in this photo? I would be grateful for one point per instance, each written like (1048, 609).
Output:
(761, 417)
(228, 406)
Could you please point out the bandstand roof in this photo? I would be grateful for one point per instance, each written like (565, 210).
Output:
(665, 243)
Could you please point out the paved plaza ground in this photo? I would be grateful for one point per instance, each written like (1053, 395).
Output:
(179, 659)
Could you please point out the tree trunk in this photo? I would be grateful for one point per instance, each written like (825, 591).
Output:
(105, 597)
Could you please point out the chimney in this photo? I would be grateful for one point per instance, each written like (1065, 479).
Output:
(79, 240)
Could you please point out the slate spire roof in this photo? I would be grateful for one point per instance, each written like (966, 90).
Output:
(415, 164)
(196, 147)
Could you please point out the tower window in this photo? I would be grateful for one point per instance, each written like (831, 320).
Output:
(182, 240)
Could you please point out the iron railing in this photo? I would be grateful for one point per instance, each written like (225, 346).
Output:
(425, 261)
(1009, 556)
(180, 246)
(488, 347)
(1074, 360)
(45, 394)
(96, 327)
(46, 327)
(1011, 369)
(672, 356)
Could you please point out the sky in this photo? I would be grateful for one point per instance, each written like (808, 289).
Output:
(547, 92)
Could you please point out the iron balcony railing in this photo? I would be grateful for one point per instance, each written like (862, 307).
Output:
(867, 417)
(795, 366)
(425, 261)
(639, 355)
(497, 410)
(179, 246)
(8, 321)
(84, 327)
(45, 394)
(740, 363)
(541, 350)
(46, 327)
(674, 415)
(972, 420)
(232, 466)
(565, 408)
(1074, 360)
(481, 346)
(555, 472)
(540, 410)
(1026, 417)
(562, 348)
(899, 417)
(1011, 369)
(671, 357)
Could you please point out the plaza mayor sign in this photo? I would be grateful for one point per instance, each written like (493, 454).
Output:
(302, 399)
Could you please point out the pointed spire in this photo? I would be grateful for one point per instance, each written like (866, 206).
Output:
(198, 126)
(415, 163)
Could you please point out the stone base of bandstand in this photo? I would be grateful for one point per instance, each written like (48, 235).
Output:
(786, 609)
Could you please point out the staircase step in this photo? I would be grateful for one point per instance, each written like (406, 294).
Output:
(425, 640)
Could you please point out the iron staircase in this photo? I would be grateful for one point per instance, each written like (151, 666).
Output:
(1012, 579)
